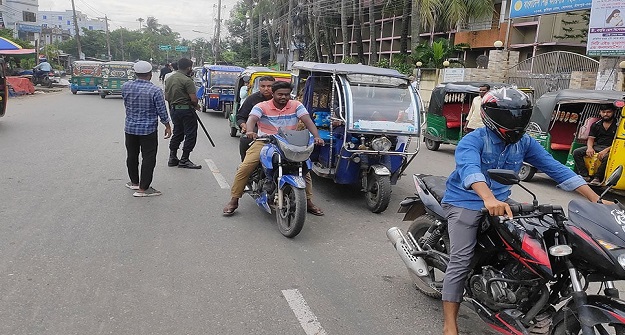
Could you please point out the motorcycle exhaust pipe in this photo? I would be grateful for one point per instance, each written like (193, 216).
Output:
(404, 248)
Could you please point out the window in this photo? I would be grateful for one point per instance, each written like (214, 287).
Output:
(90, 27)
(45, 17)
(45, 25)
(69, 23)
(60, 18)
(29, 17)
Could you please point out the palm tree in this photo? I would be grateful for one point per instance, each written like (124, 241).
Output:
(373, 45)
(344, 31)
(152, 25)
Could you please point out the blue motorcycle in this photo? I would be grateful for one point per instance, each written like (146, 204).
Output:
(278, 182)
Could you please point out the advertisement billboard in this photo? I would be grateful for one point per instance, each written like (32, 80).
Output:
(606, 29)
(522, 8)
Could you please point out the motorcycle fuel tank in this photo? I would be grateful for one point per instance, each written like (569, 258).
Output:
(525, 243)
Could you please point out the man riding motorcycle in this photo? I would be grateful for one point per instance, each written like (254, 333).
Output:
(43, 68)
(501, 144)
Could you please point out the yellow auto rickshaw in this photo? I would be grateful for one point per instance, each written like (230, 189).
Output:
(251, 74)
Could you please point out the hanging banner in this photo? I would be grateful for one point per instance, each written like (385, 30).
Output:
(606, 29)
(522, 8)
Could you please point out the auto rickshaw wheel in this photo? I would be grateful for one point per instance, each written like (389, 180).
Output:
(103, 95)
(527, 172)
(378, 193)
(74, 91)
(431, 144)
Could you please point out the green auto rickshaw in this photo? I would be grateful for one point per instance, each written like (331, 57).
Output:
(114, 75)
(86, 76)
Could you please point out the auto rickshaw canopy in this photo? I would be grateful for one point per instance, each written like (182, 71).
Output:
(546, 105)
(437, 99)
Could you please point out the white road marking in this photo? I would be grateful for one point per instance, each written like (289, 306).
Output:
(306, 318)
(220, 178)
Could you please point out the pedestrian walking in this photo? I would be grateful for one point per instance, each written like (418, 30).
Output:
(145, 105)
(180, 93)
(164, 70)
(174, 68)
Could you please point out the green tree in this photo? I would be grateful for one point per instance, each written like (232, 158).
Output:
(433, 56)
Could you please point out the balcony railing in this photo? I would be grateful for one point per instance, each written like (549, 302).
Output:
(479, 25)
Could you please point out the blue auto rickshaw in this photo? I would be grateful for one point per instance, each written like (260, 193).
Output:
(218, 87)
(369, 118)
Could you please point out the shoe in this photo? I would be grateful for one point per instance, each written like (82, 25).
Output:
(229, 209)
(314, 210)
(132, 186)
(595, 182)
(187, 164)
(173, 162)
(150, 192)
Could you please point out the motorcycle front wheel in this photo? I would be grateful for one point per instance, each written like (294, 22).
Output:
(378, 193)
(574, 328)
(432, 284)
(293, 213)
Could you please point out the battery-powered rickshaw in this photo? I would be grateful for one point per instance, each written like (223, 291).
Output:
(251, 74)
(114, 75)
(217, 92)
(447, 113)
(86, 76)
(369, 118)
(561, 122)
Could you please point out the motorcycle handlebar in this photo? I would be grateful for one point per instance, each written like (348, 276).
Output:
(527, 208)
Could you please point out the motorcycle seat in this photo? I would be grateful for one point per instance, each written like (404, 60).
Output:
(436, 185)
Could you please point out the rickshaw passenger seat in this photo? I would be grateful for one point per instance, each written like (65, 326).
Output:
(451, 112)
(562, 135)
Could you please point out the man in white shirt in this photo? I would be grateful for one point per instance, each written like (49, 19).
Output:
(474, 118)
(174, 66)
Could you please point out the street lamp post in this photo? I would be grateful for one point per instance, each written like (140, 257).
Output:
(419, 65)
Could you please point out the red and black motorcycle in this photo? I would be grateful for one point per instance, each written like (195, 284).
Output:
(530, 273)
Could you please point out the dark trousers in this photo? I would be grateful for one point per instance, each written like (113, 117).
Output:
(147, 145)
(580, 166)
(244, 144)
(185, 128)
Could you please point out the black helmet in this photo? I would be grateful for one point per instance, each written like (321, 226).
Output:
(507, 112)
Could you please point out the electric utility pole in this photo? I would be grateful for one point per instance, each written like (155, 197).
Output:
(77, 31)
(218, 32)
(108, 38)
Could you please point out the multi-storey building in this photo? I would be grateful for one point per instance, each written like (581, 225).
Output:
(64, 20)
(530, 36)
(21, 16)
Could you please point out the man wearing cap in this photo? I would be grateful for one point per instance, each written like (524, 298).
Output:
(145, 104)
(180, 93)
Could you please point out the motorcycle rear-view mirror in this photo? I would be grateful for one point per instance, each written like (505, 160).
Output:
(504, 177)
(615, 176)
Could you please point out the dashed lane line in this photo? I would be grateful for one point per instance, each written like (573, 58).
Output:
(220, 178)
(306, 317)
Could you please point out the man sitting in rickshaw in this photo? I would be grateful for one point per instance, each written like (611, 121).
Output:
(599, 142)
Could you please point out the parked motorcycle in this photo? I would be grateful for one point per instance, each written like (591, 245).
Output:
(530, 273)
(278, 182)
(45, 79)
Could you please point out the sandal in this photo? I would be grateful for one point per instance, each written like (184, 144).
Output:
(229, 210)
(314, 210)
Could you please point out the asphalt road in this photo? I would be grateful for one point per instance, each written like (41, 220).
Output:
(80, 255)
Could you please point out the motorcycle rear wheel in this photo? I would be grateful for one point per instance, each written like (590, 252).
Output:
(574, 328)
(293, 213)
(436, 267)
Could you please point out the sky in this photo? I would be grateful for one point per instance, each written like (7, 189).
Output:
(183, 16)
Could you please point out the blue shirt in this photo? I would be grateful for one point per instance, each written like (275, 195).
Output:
(44, 66)
(482, 149)
(144, 104)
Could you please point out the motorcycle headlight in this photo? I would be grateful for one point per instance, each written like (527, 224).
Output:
(621, 260)
(381, 144)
